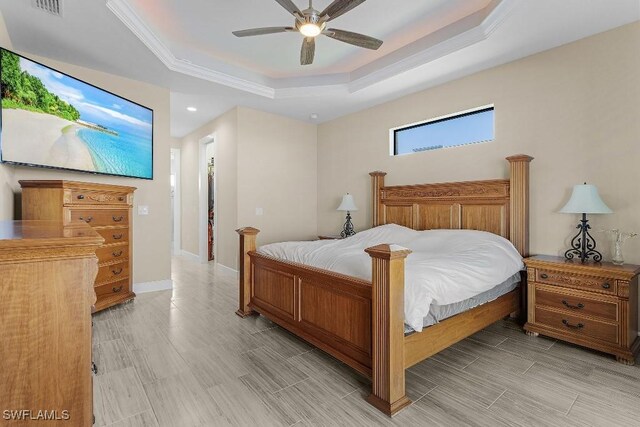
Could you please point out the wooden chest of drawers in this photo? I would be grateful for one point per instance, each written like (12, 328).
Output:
(46, 277)
(594, 305)
(107, 208)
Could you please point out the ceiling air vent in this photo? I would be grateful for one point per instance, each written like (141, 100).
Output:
(54, 7)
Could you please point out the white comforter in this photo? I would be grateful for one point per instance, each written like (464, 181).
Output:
(446, 266)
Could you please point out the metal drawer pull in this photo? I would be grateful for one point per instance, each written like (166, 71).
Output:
(80, 197)
(116, 254)
(574, 307)
(116, 290)
(544, 276)
(121, 199)
(117, 236)
(87, 220)
(569, 325)
(117, 272)
(94, 368)
(606, 286)
(117, 218)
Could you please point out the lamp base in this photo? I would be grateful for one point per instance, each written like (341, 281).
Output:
(583, 245)
(347, 230)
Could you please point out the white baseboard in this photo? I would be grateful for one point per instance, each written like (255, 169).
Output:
(158, 285)
(189, 255)
(227, 269)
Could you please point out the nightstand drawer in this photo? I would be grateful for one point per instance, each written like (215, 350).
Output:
(577, 303)
(571, 280)
(577, 325)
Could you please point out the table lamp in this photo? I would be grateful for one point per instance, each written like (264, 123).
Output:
(348, 205)
(584, 200)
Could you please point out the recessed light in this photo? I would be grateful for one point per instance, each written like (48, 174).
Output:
(313, 116)
(192, 109)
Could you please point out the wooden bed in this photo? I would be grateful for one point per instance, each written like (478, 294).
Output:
(362, 323)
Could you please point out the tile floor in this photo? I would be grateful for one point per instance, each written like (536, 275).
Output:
(182, 358)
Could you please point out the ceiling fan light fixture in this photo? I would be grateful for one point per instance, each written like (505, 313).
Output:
(310, 30)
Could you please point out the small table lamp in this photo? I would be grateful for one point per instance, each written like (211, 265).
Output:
(584, 200)
(348, 205)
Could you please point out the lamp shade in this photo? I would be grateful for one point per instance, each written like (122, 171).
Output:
(585, 199)
(348, 204)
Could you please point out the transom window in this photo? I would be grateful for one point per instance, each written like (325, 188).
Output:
(462, 128)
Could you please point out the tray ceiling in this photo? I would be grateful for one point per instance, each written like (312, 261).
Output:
(197, 40)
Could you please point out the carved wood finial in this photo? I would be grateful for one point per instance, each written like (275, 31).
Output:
(385, 251)
(519, 158)
(247, 231)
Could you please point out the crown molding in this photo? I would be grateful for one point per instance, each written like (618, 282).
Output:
(471, 30)
(497, 12)
(132, 20)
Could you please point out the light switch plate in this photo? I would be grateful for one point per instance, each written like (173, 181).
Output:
(143, 210)
(259, 211)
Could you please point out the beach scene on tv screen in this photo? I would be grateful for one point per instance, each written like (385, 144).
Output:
(51, 119)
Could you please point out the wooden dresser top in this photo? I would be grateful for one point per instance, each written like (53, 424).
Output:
(74, 185)
(39, 234)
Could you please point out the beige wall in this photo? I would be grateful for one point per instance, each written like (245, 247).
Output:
(262, 161)
(277, 171)
(575, 108)
(152, 239)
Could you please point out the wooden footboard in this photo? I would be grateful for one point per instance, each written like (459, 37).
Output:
(330, 310)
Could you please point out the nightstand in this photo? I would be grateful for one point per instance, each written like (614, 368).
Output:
(593, 305)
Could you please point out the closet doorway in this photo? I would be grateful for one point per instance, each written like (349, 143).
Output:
(210, 201)
(207, 197)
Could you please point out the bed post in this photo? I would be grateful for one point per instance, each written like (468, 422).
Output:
(519, 219)
(377, 182)
(519, 202)
(387, 328)
(247, 244)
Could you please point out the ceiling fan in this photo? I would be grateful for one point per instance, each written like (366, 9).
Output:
(311, 23)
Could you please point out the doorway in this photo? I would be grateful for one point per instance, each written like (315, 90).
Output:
(174, 176)
(207, 208)
(210, 202)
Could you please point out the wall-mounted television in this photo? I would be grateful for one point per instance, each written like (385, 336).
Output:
(50, 119)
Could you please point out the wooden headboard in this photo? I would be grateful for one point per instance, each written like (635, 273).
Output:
(499, 206)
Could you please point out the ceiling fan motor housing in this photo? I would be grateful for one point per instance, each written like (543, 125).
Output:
(310, 16)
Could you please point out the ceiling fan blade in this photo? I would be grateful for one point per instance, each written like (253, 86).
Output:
(353, 38)
(308, 51)
(262, 31)
(291, 7)
(339, 7)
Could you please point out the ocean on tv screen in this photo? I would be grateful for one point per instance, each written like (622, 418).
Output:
(51, 119)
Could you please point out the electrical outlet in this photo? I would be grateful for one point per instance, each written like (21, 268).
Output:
(143, 210)
(259, 211)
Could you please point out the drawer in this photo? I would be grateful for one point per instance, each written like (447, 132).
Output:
(578, 304)
(101, 217)
(120, 287)
(113, 272)
(112, 253)
(577, 325)
(95, 197)
(589, 283)
(114, 235)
